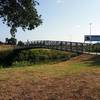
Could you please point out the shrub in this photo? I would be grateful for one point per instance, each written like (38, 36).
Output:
(7, 58)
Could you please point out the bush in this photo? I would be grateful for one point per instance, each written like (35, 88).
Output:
(8, 58)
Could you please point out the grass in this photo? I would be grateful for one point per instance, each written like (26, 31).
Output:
(76, 79)
(19, 58)
(73, 66)
(6, 47)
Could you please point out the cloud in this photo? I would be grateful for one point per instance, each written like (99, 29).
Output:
(59, 1)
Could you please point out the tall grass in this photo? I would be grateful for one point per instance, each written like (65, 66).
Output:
(34, 56)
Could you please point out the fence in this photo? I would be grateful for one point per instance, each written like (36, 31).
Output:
(57, 45)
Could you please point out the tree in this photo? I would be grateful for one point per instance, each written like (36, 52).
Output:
(20, 43)
(20, 13)
(11, 41)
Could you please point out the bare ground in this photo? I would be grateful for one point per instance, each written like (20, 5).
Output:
(79, 87)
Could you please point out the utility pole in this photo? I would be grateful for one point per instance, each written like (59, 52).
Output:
(90, 32)
(90, 36)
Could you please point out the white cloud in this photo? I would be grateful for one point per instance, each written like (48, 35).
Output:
(59, 1)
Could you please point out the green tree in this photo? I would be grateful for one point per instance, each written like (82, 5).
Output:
(20, 13)
(11, 41)
(20, 43)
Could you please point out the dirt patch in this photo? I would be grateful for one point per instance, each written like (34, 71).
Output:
(71, 87)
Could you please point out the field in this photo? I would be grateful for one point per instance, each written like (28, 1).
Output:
(6, 47)
(76, 79)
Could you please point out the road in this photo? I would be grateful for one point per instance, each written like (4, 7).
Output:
(92, 53)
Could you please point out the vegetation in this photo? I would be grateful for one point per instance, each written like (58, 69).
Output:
(11, 41)
(78, 78)
(20, 43)
(93, 47)
(4, 47)
(28, 57)
(20, 13)
(96, 47)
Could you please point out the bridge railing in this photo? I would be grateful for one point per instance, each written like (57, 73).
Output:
(58, 45)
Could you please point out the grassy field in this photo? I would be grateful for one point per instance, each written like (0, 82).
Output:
(6, 47)
(76, 79)
(18, 58)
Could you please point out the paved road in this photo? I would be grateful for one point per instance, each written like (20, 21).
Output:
(92, 53)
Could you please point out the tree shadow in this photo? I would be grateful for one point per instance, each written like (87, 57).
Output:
(7, 58)
(93, 61)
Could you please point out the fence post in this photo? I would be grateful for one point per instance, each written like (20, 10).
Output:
(82, 47)
(70, 46)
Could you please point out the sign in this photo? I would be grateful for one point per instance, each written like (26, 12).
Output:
(92, 37)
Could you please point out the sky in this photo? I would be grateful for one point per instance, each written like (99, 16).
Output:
(64, 20)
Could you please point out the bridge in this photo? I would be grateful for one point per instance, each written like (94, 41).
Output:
(56, 45)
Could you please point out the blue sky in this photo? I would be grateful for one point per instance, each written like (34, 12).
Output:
(66, 20)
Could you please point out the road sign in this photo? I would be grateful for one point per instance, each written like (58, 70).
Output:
(92, 38)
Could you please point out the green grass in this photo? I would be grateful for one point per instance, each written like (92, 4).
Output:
(18, 58)
(73, 66)
(81, 64)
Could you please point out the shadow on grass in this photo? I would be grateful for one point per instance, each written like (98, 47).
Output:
(7, 58)
(28, 57)
(93, 61)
